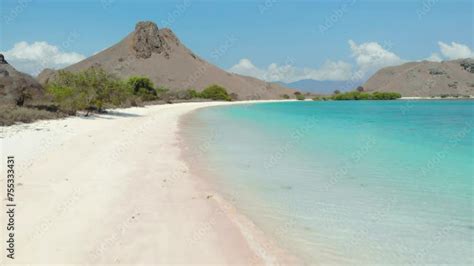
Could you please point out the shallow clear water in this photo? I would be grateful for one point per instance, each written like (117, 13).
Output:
(347, 182)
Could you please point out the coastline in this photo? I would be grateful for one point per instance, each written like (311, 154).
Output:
(114, 188)
(272, 252)
(436, 98)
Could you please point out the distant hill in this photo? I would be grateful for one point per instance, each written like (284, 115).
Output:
(426, 79)
(322, 86)
(159, 55)
(17, 88)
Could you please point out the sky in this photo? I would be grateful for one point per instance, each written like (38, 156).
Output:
(273, 40)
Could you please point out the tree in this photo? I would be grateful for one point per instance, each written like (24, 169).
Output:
(142, 87)
(215, 92)
(337, 91)
(300, 97)
(87, 90)
(360, 89)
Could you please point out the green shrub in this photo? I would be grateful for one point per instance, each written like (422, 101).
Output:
(67, 98)
(215, 92)
(161, 90)
(357, 95)
(90, 89)
(344, 96)
(193, 93)
(186, 94)
(285, 96)
(142, 87)
(386, 95)
(137, 83)
(300, 97)
(146, 95)
(60, 93)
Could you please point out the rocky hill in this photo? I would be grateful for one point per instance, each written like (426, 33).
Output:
(159, 55)
(17, 88)
(426, 79)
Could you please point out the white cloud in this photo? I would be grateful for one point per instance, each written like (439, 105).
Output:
(247, 68)
(455, 50)
(434, 57)
(34, 57)
(371, 56)
(330, 70)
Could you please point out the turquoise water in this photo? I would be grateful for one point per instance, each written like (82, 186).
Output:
(347, 182)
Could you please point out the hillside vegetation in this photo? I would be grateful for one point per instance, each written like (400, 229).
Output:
(94, 90)
(359, 95)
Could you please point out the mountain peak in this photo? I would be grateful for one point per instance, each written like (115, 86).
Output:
(158, 54)
(2, 59)
(146, 24)
(148, 39)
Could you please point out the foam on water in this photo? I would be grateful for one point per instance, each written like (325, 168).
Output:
(347, 182)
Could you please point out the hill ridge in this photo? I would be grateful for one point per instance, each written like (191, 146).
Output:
(425, 78)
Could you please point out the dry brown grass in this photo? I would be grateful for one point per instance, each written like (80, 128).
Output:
(10, 115)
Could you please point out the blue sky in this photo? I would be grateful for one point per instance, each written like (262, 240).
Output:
(303, 34)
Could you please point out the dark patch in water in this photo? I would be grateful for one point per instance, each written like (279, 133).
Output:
(287, 187)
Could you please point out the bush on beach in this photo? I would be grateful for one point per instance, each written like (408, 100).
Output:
(187, 94)
(94, 90)
(358, 95)
(215, 92)
(91, 89)
(300, 97)
(142, 87)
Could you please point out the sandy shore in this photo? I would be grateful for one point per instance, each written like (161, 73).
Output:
(114, 189)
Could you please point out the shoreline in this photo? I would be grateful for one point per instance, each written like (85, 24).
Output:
(436, 98)
(262, 243)
(99, 190)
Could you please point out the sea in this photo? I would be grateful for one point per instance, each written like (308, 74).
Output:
(346, 182)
